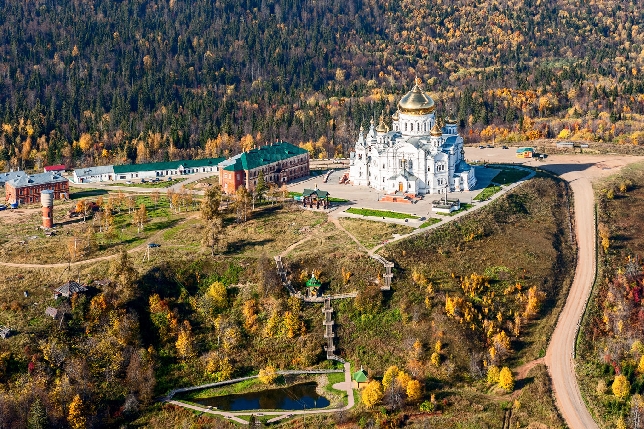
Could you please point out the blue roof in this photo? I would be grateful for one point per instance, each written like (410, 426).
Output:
(36, 179)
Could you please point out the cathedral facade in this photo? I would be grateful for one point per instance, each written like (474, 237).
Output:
(417, 156)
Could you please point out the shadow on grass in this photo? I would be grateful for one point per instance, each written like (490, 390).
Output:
(520, 384)
(240, 245)
(88, 193)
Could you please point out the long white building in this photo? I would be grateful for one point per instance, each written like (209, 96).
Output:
(417, 157)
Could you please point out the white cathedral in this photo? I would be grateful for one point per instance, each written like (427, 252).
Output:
(416, 157)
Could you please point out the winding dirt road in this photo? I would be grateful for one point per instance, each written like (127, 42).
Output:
(559, 357)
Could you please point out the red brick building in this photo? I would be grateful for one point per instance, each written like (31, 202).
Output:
(26, 189)
(281, 162)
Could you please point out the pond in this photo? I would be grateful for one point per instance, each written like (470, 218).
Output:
(300, 396)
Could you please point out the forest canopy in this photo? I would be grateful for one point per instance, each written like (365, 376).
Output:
(136, 80)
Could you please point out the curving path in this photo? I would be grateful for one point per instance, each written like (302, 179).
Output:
(138, 248)
(560, 353)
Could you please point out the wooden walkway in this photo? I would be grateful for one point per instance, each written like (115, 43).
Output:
(328, 322)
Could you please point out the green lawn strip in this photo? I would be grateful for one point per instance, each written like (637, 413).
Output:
(331, 199)
(508, 175)
(464, 206)
(161, 184)
(429, 222)
(244, 386)
(381, 213)
(487, 192)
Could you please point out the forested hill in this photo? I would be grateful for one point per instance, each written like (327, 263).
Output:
(135, 80)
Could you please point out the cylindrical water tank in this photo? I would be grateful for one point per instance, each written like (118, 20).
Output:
(47, 198)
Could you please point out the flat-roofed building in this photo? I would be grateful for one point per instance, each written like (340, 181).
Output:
(101, 173)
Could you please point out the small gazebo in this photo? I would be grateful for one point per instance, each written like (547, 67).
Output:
(315, 197)
(313, 286)
(360, 379)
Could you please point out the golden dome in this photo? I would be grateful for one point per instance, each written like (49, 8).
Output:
(382, 128)
(395, 115)
(436, 131)
(416, 102)
(450, 120)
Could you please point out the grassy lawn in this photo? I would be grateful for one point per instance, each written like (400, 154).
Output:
(429, 222)
(464, 206)
(508, 175)
(371, 233)
(381, 213)
(161, 184)
(487, 192)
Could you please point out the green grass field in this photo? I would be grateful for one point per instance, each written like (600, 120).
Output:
(509, 175)
(161, 184)
(381, 213)
(487, 192)
(429, 222)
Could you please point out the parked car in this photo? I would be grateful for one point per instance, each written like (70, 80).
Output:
(2, 207)
(156, 179)
(128, 182)
(153, 245)
(144, 181)
(169, 179)
(504, 147)
(481, 147)
(489, 146)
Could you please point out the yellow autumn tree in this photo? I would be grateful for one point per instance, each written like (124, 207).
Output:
(372, 394)
(493, 374)
(640, 365)
(185, 341)
(268, 374)
(435, 359)
(390, 376)
(403, 379)
(414, 390)
(218, 295)
(250, 316)
(76, 415)
(506, 379)
(621, 386)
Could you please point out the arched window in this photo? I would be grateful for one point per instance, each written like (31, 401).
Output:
(405, 126)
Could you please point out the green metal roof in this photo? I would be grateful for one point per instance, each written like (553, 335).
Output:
(360, 376)
(313, 282)
(525, 149)
(319, 193)
(169, 165)
(265, 155)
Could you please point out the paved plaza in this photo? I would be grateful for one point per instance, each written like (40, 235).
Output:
(364, 197)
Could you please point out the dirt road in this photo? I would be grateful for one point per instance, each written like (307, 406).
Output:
(559, 357)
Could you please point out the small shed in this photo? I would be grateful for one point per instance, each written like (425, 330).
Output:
(68, 289)
(317, 197)
(5, 332)
(51, 312)
(360, 379)
(313, 286)
(525, 152)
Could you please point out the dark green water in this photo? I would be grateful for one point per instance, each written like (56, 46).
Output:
(297, 397)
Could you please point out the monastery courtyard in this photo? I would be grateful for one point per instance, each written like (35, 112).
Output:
(364, 197)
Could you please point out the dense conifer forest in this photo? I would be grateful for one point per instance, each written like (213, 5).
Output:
(85, 82)
(128, 81)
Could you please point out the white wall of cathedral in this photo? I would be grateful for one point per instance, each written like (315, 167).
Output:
(414, 125)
